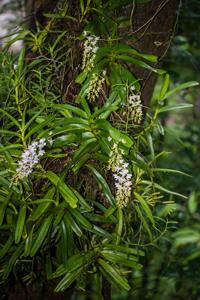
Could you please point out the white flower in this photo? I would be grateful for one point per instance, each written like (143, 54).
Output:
(132, 88)
(89, 53)
(135, 106)
(95, 86)
(122, 176)
(29, 158)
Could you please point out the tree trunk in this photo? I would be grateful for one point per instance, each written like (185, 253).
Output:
(154, 25)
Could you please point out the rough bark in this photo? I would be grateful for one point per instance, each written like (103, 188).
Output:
(153, 26)
(35, 11)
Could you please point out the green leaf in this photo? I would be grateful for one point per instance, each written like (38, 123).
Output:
(12, 261)
(82, 201)
(124, 249)
(37, 128)
(145, 207)
(139, 63)
(150, 141)
(3, 206)
(101, 232)
(65, 191)
(4, 250)
(127, 49)
(81, 77)
(103, 184)
(159, 187)
(108, 213)
(86, 147)
(114, 133)
(64, 240)
(164, 87)
(10, 147)
(20, 224)
(180, 87)
(28, 242)
(82, 6)
(21, 61)
(170, 171)
(9, 132)
(118, 71)
(41, 235)
(40, 209)
(119, 226)
(15, 122)
(71, 108)
(192, 202)
(80, 218)
(186, 236)
(68, 279)
(113, 275)
(72, 224)
(143, 221)
(121, 258)
(175, 107)
(73, 263)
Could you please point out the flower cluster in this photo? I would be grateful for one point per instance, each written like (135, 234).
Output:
(89, 53)
(121, 175)
(135, 106)
(95, 86)
(30, 157)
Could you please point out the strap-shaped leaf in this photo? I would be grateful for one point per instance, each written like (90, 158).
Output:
(12, 260)
(67, 194)
(179, 88)
(145, 207)
(113, 275)
(20, 224)
(104, 125)
(68, 280)
(74, 262)
(37, 128)
(72, 224)
(6, 247)
(175, 107)
(164, 87)
(121, 258)
(41, 235)
(161, 188)
(103, 184)
(41, 208)
(71, 108)
(127, 49)
(28, 242)
(139, 63)
(124, 249)
(80, 218)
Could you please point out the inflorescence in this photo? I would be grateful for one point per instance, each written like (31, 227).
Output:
(90, 50)
(135, 106)
(121, 174)
(30, 157)
(95, 86)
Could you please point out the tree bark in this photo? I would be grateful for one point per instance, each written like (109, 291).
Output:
(154, 24)
(35, 11)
